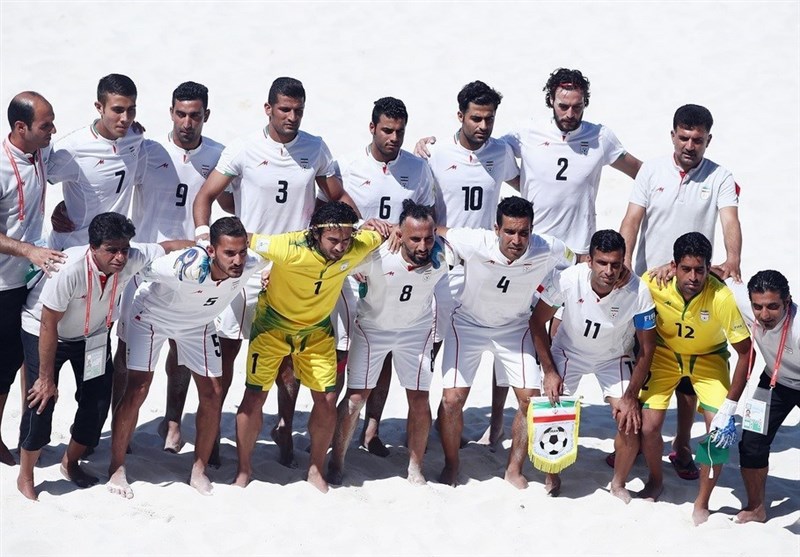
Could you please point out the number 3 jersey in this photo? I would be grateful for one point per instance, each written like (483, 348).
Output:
(498, 292)
(593, 327)
(277, 189)
(175, 303)
(163, 197)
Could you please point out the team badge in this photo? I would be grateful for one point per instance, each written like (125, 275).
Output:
(344, 266)
(204, 170)
(489, 166)
(614, 312)
(303, 162)
(704, 315)
(585, 147)
(403, 181)
(705, 193)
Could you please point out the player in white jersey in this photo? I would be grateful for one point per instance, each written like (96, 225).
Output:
(394, 316)
(563, 159)
(67, 318)
(673, 195)
(279, 167)
(502, 271)
(162, 209)
(97, 165)
(766, 304)
(601, 312)
(379, 178)
(182, 295)
(23, 182)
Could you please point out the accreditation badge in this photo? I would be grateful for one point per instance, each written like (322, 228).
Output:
(756, 411)
(96, 353)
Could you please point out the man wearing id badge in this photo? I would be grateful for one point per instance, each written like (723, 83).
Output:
(770, 314)
(67, 317)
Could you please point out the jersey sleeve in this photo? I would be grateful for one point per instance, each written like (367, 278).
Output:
(728, 193)
(142, 255)
(563, 256)
(645, 317)
(464, 241)
(177, 267)
(550, 290)
(510, 166)
(231, 159)
(326, 166)
(61, 288)
(424, 194)
(61, 166)
(640, 193)
(512, 140)
(612, 148)
(730, 317)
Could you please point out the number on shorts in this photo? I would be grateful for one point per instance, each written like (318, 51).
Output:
(121, 174)
(685, 331)
(405, 294)
(503, 283)
(645, 386)
(283, 191)
(181, 194)
(215, 340)
(255, 363)
(563, 163)
(588, 328)
(317, 286)
(473, 198)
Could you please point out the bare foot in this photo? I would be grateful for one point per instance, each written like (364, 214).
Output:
(200, 481)
(25, 486)
(491, 438)
(118, 484)
(5, 455)
(283, 438)
(552, 485)
(335, 473)
(316, 479)
(415, 476)
(449, 476)
(621, 493)
(74, 473)
(517, 480)
(651, 491)
(376, 447)
(699, 516)
(242, 478)
(759, 514)
(170, 432)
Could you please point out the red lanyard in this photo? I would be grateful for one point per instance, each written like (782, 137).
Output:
(20, 192)
(89, 296)
(781, 346)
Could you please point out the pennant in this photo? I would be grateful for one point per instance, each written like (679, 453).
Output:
(553, 433)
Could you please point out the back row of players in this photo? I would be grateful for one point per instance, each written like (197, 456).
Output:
(268, 179)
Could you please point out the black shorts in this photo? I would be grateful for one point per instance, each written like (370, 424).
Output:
(11, 354)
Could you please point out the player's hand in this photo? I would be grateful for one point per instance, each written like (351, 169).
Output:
(723, 426)
(382, 227)
(394, 241)
(48, 260)
(552, 385)
(421, 148)
(137, 127)
(59, 219)
(728, 269)
(360, 278)
(40, 394)
(628, 415)
(265, 278)
(662, 275)
(624, 277)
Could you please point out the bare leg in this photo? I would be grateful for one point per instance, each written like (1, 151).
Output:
(496, 425)
(652, 447)
(708, 481)
(626, 447)
(418, 426)
(178, 379)
(321, 425)
(249, 419)
(519, 436)
(120, 375)
(209, 391)
(375, 405)
(687, 406)
(70, 468)
(122, 426)
(229, 349)
(347, 414)
(755, 482)
(451, 424)
(288, 388)
(27, 461)
(5, 455)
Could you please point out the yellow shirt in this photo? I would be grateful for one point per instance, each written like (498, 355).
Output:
(703, 325)
(303, 285)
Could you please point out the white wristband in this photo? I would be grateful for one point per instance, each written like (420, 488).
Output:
(202, 229)
(728, 407)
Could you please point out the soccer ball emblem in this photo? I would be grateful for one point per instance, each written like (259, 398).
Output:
(554, 440)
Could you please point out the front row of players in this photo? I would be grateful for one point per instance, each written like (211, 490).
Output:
(682, 329)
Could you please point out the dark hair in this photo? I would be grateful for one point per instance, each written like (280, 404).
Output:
(770, 280)
(226, 226)
(566, 79)
(20, 109)
(190, 91)
(606, 241)
(514, 206)
(110, 226)
(329, 215)
(392, 108)
(691, 116)
(478, 93)
(415, 211)
(288, 87)
(115, 84)
(692, 244)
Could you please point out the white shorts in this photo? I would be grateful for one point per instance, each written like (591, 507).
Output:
(411, 350)
(445, 299)
(198, 349)
(515, 361)
(613, 375)
(235, 320)
(125, 305)
(344, 314)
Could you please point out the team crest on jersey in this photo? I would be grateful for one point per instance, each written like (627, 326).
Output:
(704, 315)
(204, 170)
(403, 181)
(585, 147)
(614, 312)
(489, 166)
(344, 266)
(705, 193)
(303, 162)
(527, 267)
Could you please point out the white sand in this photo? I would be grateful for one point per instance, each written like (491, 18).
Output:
(644, 59)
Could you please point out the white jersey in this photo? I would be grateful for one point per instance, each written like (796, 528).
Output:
(398, 295)
(677, 202)
(96, 175)
(467, 183)
(768, 342)
(379, 189)
(596, 328)
(561, 176)
(162, 199)
(23, 183)
(68, 291)
(174, 305)
(277, 190)
(498, 292)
